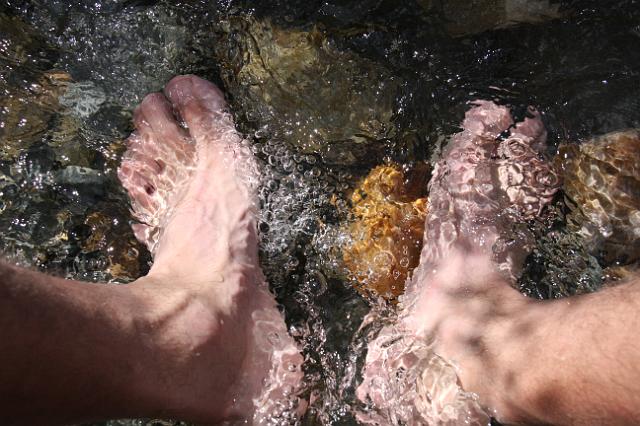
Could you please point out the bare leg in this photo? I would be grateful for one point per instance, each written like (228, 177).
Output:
(200, 338)
(560, 362)
(71, 351)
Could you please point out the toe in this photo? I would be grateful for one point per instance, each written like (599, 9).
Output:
(154, 121)
(160, 149)
(532, 129)
(198, 102)
(140, 158)
(142, 232)
(486, 118)
(139, 178)
(154, 113)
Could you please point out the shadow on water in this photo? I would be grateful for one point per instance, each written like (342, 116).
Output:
(378, 80)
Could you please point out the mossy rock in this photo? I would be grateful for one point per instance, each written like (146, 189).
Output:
(298, 85)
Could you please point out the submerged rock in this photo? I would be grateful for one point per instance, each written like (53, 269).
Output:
(21, 46)
(120, 249)
(83, 99)
(386, 231)
(465, 17)
(54, 174)
(602, 184)
(76, 175)
(614, 274)
(297, 84)
(28, 92)
(560, 266)
(26, 112)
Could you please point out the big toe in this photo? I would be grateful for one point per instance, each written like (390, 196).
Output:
(198, 102)
(487, 118)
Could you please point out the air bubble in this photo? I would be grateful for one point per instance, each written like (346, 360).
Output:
(272, 185)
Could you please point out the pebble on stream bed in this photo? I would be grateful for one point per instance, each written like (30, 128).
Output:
(386, 231)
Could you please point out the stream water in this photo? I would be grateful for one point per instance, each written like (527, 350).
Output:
(326, 91)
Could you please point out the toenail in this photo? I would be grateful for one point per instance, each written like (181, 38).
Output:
(160, 165)
(181, 87)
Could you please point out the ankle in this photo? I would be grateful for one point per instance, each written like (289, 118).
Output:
(180, 332)
(515, 335)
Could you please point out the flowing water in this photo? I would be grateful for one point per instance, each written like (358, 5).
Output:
(325, 91)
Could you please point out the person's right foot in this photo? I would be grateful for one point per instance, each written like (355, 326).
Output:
(192, 179)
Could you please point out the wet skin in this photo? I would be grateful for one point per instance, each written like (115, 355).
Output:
(192, 186)
(490, 175)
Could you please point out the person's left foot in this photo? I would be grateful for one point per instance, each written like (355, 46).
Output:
(192, 187)
(482, 183)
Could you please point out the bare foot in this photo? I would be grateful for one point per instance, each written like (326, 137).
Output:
(225, 351)
(479, 188)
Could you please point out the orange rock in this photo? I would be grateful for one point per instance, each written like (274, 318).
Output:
(386, 230)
